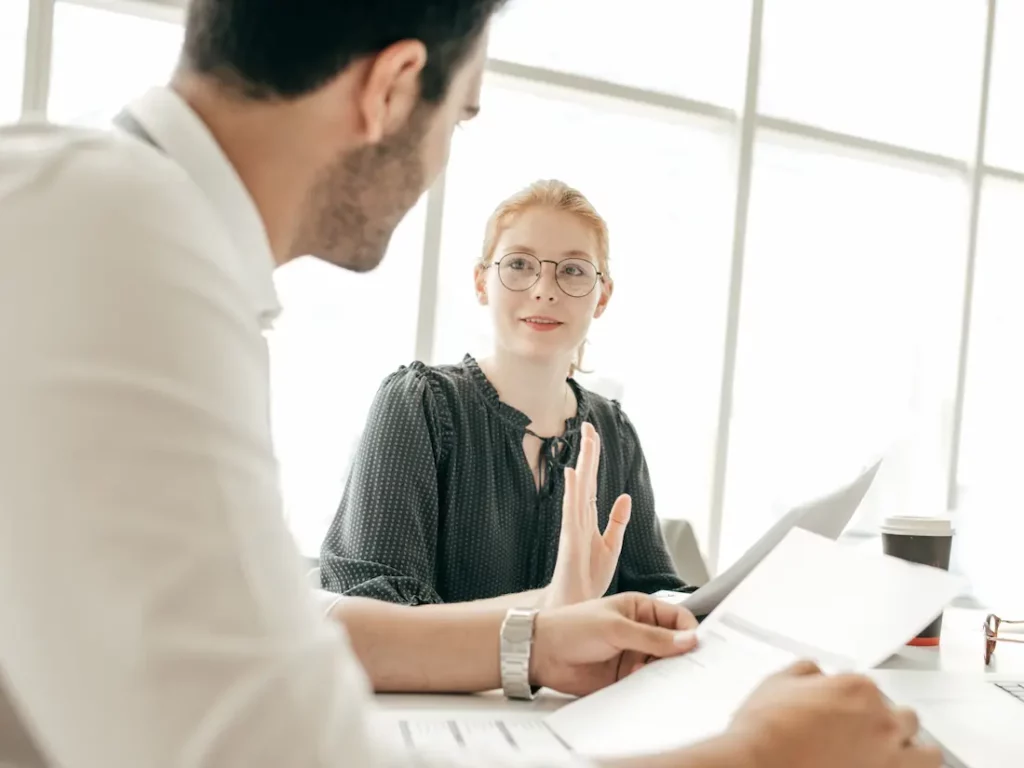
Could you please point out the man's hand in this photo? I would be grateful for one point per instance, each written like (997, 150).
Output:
(802, 719)
(583, 648)
(587, 558)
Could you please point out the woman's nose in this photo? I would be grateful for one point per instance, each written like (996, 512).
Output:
(546, 286)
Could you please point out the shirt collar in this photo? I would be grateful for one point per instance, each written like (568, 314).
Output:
(185, 138)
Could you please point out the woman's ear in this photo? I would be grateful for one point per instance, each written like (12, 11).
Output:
(480, 282)
(607, 288)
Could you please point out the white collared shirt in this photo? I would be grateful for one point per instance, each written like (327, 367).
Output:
(153, 606)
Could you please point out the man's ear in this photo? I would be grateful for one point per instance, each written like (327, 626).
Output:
(607, 289)
(480, 282)
(390, 89)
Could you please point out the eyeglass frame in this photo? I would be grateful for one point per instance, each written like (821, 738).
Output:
(598, 276)
(991, 627)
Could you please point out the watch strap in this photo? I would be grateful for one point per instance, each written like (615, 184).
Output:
(516, 649)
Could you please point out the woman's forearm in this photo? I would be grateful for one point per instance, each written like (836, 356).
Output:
(429, 649)
(534, 598)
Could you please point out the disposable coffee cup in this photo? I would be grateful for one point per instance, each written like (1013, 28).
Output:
(923, 540)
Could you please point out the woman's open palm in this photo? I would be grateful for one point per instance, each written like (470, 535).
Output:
(587, 558)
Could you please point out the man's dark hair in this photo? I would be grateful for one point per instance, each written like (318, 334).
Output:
(269, 49)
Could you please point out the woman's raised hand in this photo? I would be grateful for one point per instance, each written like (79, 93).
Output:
(587, 558)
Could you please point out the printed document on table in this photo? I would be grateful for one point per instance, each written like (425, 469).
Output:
(842, 607)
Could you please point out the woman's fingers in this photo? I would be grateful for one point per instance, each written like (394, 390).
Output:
(570, 511)
(595, 462)
(579, 503)
(591, 442)
(617, 522)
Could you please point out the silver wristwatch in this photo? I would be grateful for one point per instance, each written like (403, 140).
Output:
(516, 644)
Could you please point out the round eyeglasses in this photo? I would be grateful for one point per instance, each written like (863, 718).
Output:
(521, 271)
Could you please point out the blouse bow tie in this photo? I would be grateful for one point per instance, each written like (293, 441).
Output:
(556, 453)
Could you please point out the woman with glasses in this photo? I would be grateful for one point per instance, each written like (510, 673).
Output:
(503, 479)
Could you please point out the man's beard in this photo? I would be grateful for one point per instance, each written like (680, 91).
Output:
(362, 196)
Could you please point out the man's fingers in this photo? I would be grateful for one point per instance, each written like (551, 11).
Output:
(922, 757)
(652, 641)
(908, 723)
(675, 616)
(633, 662)
(915, 755)
(636, 667)
(671, 616)
(802, 668)
(617, 522)
(658, 613)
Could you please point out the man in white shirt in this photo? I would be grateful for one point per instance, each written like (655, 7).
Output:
(154, 607)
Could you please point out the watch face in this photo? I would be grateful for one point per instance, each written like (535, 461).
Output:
(518, 626)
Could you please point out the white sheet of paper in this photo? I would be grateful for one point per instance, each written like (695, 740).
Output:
(827, 516)
(810, 597)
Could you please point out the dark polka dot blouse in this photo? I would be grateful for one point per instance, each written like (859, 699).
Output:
(442, 506)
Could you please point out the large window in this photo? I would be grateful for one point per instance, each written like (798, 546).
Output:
(13, 28)
(666, 190)
(103, 59)
(847, 333)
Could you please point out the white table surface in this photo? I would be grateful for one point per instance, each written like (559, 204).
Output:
(961, 650)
